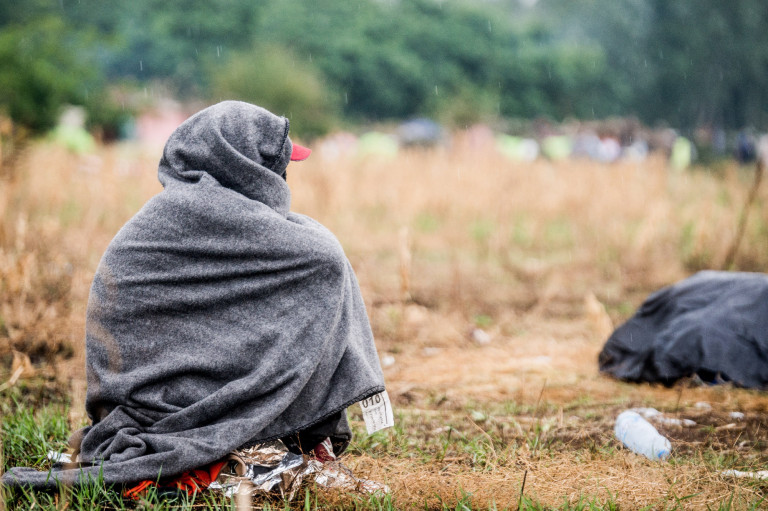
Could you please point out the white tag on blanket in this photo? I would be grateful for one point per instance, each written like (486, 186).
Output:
(377, 412)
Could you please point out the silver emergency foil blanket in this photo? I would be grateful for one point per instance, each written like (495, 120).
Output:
(271, 468)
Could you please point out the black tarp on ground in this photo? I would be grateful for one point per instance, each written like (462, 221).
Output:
(713, 324)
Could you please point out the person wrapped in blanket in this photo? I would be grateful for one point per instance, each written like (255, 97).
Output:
(218, 319)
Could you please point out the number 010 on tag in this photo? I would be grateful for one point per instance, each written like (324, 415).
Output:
(377, 412)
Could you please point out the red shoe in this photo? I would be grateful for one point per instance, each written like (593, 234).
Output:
(324, 451)
(190, 482)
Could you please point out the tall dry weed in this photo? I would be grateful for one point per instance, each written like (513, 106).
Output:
(58, 212)
(489, 234)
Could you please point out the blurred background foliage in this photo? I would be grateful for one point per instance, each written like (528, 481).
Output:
(686, 63)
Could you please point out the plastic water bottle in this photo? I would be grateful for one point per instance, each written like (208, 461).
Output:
(641, 437)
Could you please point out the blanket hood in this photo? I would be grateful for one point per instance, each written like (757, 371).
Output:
(242, 146)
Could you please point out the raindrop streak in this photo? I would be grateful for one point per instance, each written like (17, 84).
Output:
(436, 93)
(310, 57)
(346, 98)
(218, 51)
(141, 65)
(489, 26)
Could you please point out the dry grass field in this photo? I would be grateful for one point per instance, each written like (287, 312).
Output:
(491, 286)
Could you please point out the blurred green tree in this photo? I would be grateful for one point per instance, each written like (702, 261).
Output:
(42, 67)
(272, 77)
(710, 61)
(454, 60)
(175, 41)
(687, 63)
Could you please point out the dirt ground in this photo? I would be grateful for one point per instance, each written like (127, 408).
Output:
(549, 373)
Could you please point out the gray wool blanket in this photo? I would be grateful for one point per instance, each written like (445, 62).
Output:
(217, 318)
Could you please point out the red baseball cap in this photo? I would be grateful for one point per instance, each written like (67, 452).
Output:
(300, 152)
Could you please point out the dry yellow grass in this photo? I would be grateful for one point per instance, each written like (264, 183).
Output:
(445, 241)
(623, 478)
